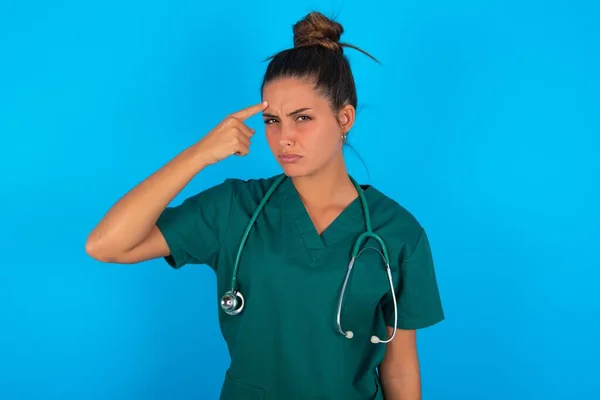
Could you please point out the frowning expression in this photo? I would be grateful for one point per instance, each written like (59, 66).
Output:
(303, 131)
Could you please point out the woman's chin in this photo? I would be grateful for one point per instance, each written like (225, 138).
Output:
(293, 170)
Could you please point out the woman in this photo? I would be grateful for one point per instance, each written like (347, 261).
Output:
(289, 334)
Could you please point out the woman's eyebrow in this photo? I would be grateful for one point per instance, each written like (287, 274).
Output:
(290, 114)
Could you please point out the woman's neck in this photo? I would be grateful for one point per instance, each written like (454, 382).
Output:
(329, 186)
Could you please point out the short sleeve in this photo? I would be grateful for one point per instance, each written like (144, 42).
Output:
(194, 230)
(417, 293)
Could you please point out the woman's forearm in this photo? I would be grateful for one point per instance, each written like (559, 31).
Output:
(129, 221)
(405, 386)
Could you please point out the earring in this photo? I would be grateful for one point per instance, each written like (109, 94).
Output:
(344, 136)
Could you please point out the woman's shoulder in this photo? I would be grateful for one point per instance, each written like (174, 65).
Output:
(395, 218)
(242, 192)
(250, 186)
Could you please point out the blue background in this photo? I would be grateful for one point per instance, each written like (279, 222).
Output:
(483, 120)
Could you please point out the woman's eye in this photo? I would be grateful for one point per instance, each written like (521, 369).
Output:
(301, 118)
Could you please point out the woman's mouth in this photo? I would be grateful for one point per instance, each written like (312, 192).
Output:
(289, 158)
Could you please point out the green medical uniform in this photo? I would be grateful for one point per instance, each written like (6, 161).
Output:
(285, 343)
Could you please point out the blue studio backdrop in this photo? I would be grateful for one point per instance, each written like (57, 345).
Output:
(482, 120)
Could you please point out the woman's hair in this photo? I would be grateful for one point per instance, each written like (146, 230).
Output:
(318, 56)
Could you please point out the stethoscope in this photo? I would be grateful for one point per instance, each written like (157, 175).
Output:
(233, 301)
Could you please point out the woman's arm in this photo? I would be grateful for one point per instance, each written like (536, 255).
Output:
(128, 232)
(399, 372)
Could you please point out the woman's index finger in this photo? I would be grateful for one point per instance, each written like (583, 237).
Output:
(247, 112)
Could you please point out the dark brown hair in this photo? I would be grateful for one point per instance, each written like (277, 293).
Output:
(318, 55)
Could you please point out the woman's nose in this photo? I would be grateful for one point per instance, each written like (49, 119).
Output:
(287, 136)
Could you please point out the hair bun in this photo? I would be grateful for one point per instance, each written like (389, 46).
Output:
(316, 29)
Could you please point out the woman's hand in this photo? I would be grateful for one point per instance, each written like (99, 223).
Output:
(231, 136)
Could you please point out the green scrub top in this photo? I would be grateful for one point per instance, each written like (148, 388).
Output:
(285, 343)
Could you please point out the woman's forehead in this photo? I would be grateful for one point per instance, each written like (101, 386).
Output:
(287, 95)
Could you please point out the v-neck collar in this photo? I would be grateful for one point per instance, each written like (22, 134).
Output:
(294, 208)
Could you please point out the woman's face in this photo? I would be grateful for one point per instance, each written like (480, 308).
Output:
(301, 128)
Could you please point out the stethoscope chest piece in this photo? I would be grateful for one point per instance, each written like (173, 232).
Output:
(232, 302)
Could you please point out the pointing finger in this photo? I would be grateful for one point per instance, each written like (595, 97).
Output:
(250, 111)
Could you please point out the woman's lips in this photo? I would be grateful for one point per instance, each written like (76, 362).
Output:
(289, 158)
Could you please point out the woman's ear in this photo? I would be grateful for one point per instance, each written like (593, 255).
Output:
(346, 118)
